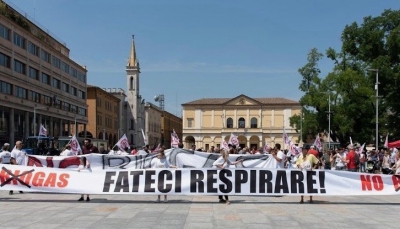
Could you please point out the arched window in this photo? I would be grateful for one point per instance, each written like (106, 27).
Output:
(253, 123)
(131, 84)
(242, 123)
(229, 123)
(132, 124)
(132, 142)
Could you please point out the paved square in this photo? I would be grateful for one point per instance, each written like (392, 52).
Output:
(43, 211)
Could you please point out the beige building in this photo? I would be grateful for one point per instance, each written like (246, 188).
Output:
(103, 114)
(39, 83)
(152, 124)
(206, 122)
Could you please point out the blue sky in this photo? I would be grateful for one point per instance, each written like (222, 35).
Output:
(200, 49)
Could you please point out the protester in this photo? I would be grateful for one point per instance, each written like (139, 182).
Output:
(386, 163)
(327, 159)
(67, 151)
(180, 145)
(351, 159)
(88, 147)
(84, 164)
(279, 156)
(193, 148)
(102, 150)
(340, 159)
(363, 160)
(17, 157)
(306, 162)
(396, 166)
(5, 155)
(134, 151)
(313, 151)
(159, 163)
(223, 163)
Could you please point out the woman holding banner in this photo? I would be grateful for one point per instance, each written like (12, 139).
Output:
(222, 163)
(159, 163)
(308, 162)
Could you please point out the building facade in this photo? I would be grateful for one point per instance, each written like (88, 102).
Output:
(170, 123)
(207, 122)
(39, 83)
(120, 94)
(152, 124)
(103, 115)
(134, 106)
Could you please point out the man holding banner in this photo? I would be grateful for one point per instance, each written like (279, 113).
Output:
(307, 162)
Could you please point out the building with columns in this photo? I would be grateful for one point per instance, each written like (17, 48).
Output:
(39, 83)
(207, 122)
(134, 115)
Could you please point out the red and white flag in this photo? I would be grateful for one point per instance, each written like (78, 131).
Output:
(386, 145)
(360, 150)
(233, 140)
(174, 139)
(158, 148)
(42, 131)
(123, 143)
(267, 147)
(224, 145)
(318, 143)
(294, 150)
(75, 147)
(144, 138)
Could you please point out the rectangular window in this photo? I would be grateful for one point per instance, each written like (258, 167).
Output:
(64, 67)
(73, 91)
(21, 92)
(81, 77)
(65, 87)
(45, 56)
(82, 94)
(5, 60)
(47, 100)
(33, 73)
(19, 40)
(19, 67)
(4, 32)
(34, 96)
(190, 122)
(55, 83)
(74, 72)
(32, 48)
(82, 111)
(6, 88)
(45, 78)
(74, 109)
(66, 106)
(56, 62)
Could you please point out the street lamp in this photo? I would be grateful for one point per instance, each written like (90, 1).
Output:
(376, 106)
(34, 117)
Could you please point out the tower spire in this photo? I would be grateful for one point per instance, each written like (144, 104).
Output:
(133, 61)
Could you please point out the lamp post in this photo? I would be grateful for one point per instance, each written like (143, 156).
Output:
(34, 118)
(376, 107)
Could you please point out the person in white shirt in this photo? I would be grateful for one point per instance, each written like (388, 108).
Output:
(17, 157)
(340, 160)
(161, 162)
(279, 156)
(5, 155)
(222, 163)
(67, 151)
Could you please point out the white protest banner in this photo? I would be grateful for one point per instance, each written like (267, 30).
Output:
(198, 181)
(182, 158)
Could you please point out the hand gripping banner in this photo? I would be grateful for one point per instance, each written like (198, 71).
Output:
(197, 181)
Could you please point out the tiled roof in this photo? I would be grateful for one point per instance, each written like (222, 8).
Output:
(221, 101)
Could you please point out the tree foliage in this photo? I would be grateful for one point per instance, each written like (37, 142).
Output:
(375, 44)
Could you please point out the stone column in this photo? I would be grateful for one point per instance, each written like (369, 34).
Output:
(61, 129)
(51, 131)
(248, 121)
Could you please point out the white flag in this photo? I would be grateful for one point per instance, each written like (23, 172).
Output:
(224, 145)
(267, 147)
(123, 143)
(318, 143)
(294, 150)
(351, 141)
(361, 149)
(285, 138)
(174, 139)
(386, 141)
(75, 147)
(42, 131)
(144, 138)
(233, 140)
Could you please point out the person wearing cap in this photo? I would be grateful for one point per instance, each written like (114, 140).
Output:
(306, 161)
(351, 159)
(313, 151)
(5, 155)
(17, 157)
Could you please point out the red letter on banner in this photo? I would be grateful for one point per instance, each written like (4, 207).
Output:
(396, 182)
(378, 183)
(366, 182)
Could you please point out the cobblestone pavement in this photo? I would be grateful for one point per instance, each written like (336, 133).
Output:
(38, 210)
